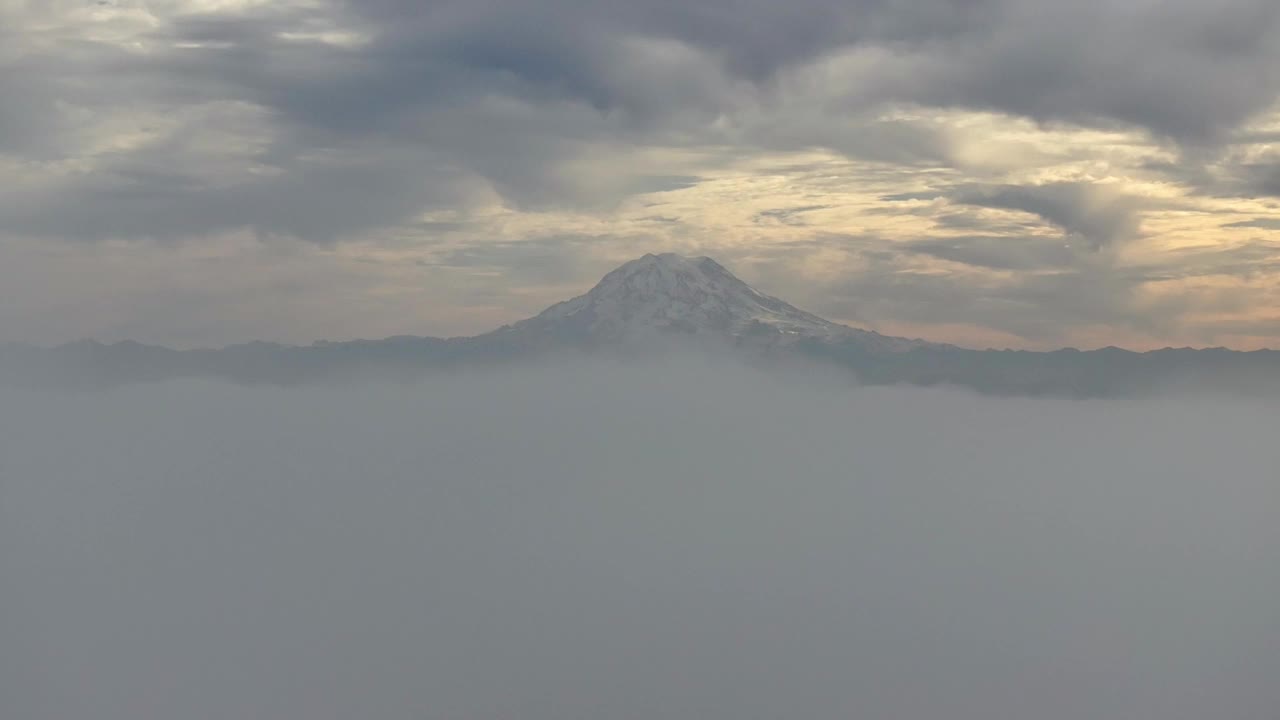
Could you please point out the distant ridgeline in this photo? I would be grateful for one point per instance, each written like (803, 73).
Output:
(654, 304)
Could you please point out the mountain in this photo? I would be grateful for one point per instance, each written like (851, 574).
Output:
(651, 303)
(670, 294)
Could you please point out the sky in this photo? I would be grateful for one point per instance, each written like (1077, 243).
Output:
(1004, 173)
(682, 539)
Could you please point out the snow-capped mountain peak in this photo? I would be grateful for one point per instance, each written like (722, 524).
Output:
(670, 292)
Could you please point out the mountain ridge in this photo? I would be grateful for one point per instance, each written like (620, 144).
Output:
(655, 301)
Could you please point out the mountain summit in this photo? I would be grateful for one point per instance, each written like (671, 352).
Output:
(671, 293)
(671, 298)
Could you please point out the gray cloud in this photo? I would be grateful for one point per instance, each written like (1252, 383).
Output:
(320, 198)
(509, 92)
(1098, 215)
(1051, 289)
(539, 260)
(998, 252)
(1246, 261)
(1176, 68)
(1060, 282)
(1039, 307)
(1261, 223)
(1263, 178)
(914, 195)
(788, 216)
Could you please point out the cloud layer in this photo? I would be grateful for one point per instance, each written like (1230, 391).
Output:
(692, 539)
(404, 132)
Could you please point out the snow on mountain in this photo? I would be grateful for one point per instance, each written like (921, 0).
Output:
(691, 295)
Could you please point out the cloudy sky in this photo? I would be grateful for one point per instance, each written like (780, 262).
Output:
(1022, 173)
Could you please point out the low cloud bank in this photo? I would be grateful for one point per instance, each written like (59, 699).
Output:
(684, 540)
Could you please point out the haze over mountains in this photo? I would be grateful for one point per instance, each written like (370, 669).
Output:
(651, 304)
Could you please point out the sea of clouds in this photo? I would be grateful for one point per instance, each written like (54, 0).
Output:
(682, 539)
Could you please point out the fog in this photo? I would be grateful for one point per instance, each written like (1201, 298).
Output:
(688, 539)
